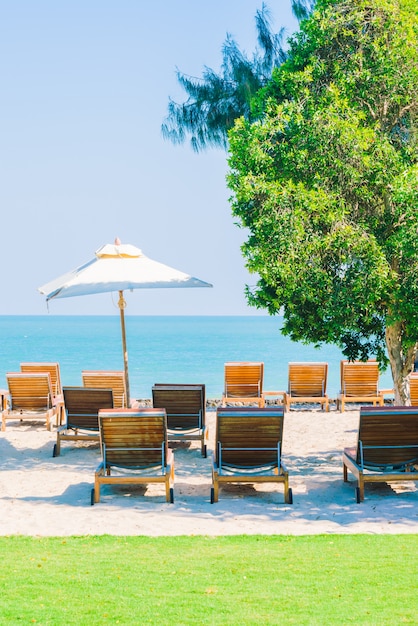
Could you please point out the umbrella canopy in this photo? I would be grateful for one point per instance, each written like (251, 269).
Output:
(117, 267)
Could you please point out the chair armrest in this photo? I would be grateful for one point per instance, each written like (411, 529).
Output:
(283, 468)
(386, 392)
(100, 468)
(274, 393)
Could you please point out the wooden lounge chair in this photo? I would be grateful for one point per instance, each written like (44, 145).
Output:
(82, 405)
(243, 383)
(54, 372)
(134, 441)
(387, 447)
(185, 406)
(102, 379)
(307, 383)
(30, 398)
(4, 394)
(248, 448)
(52, 368)
(359, 383)
(413, 388)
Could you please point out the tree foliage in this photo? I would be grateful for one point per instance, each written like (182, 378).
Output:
(216, 100)
(327, 183)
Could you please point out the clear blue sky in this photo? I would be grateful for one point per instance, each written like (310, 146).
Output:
(85, 86)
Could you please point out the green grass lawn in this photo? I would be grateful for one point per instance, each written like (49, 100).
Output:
(237, 580)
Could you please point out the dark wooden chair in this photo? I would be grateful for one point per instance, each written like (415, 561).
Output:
(248, 448)
(82, 405)
(387, 447)
(134, 441)
(185, 406)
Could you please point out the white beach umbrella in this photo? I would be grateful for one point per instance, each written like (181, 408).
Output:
(117, 267)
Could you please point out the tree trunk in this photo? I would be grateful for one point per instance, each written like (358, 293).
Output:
(401, 363)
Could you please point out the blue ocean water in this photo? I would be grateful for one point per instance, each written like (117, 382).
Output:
(165, 349)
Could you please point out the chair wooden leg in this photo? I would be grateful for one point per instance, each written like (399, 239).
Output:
(215, 487)
(287, 492)
(96, 489)
(361, 487)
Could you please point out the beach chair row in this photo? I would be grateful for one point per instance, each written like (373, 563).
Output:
(248, 448)
(36, 391)
(248, 440)
(307, 383)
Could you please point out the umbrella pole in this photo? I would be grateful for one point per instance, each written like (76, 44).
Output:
(122, 305)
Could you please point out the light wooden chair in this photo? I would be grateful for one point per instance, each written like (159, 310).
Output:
(359, 383)
(30, 397)
(307, 383)
(104, 379)
(185, 406)
(55, 374)
(134, 442)
(248, 448)
(387, 448)
(413, 388)
(243, 383)
(52, 368)
(82, 405)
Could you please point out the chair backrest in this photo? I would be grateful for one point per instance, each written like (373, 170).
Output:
(308, 379)
(184, 404)
(52, 368)
(244, 379)
(82, 405)
(103, 379)
(133, 438)
(388, 436)
(360, 378)
(413, 386)
(30, 391)
(248, 437)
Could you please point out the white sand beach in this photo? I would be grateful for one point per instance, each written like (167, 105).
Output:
(45, 496)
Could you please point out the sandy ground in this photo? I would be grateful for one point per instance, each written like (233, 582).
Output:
(45, 496)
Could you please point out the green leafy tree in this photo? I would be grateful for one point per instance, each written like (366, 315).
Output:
(216, 100)
(327, 184)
